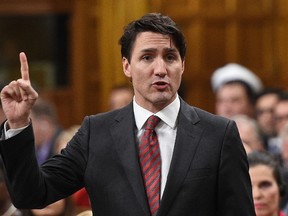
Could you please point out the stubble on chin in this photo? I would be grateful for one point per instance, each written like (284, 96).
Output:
(163, 100)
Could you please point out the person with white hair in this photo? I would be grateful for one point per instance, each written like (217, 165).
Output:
(249, 132)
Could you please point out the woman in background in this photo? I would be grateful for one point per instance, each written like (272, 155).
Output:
(267, 184)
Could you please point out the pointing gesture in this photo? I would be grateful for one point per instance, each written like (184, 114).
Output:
(18, 97)
(24, 66)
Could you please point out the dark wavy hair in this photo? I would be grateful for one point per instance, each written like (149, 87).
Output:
(264, 158)
(152, 22)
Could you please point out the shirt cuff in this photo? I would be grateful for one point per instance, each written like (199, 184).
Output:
(12, 132)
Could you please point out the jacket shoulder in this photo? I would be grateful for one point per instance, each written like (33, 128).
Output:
(196, 114)
(110, 117)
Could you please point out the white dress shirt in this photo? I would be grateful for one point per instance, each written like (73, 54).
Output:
(166, 132)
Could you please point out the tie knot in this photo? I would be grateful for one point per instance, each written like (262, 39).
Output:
(152, 122)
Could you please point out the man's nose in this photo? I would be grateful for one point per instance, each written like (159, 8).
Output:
(160, 67)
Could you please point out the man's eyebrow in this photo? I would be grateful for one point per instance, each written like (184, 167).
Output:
(171, 49)
(154, 50)
(148, 50)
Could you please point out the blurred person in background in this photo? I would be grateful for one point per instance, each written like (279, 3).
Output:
(281, 112)
(284, 143)
(268, 187)
(265, 104)
(281, 119)
(64, 137)
(249, 132)
(283, 137)
(120, 96)
(235, 88)
(46, 128)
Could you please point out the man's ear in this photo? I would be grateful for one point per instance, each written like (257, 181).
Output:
(126, 67)
(183, 66)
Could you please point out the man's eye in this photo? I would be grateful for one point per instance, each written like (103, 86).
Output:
(170, 57)
(146, 57)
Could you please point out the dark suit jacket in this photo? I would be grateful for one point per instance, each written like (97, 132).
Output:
(208, 174)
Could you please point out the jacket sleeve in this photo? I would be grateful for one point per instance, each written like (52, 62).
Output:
(31, 186)
(234, 185)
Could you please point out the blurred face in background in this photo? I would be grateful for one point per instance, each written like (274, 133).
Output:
(231, 100)
(249, 135)
(281, 115)
(265, 190)
(120, 98)
(265, 113)
(284, 151)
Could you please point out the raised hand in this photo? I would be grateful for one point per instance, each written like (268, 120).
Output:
(18, 97)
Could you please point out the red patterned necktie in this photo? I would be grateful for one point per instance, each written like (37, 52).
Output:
(150, 160)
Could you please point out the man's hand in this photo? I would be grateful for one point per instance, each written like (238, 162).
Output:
(18, 97)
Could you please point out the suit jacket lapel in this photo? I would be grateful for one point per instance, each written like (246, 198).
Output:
(124, 139)
(187, 139)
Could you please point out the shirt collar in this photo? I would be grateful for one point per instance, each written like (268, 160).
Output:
(168, 114)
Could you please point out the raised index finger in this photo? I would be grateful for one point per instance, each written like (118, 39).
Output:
(24, 66)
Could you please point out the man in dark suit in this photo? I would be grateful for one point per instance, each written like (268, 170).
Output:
(203, 166)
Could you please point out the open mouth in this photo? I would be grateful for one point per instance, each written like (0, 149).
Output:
(160, 85)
